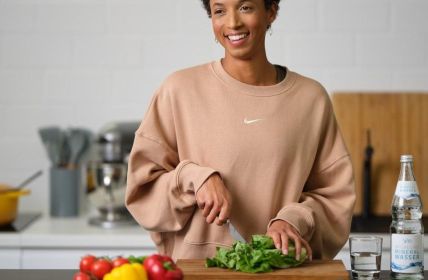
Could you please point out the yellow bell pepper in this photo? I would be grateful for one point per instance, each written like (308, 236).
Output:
(134, 271)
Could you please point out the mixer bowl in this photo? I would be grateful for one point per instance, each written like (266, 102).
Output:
(108, 195)
(110, 185)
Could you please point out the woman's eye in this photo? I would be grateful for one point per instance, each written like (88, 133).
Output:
(245, 9)
(218, 12)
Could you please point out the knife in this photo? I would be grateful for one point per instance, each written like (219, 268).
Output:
(235, 234)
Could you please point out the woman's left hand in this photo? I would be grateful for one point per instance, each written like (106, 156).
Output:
(281, 232)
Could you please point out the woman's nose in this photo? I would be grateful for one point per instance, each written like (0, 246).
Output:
(233, 20)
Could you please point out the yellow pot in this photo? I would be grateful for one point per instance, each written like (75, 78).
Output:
(9, 205)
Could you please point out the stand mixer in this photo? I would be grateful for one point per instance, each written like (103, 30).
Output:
(107, 175)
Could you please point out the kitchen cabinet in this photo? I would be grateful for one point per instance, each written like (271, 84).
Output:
(10, 258)
(9, 251)
(59, 243)
(397, 123)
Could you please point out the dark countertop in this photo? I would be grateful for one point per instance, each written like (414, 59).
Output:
(37, 274)
(66, 274)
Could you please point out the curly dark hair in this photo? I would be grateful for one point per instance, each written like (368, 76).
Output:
(268, 4)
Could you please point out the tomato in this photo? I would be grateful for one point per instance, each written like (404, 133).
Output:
(86, 263)
(81, 276)
(161, 267)
(100, 268)
(119, 261)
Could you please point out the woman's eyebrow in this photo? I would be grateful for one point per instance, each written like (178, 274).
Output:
(217, 4)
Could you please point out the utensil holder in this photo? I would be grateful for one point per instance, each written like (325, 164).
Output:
(64, 192)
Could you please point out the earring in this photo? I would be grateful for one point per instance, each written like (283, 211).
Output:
(215, 39)
(270, 30)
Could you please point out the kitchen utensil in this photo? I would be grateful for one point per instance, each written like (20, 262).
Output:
(86, 146)
(29, 179)
(53, 140)
(77, 142)
(9, 204)
(65, 150)
(235, 234)
(23, 184)
(317, 269)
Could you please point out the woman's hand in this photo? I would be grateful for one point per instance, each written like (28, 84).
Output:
(281, 232)
(215, 200)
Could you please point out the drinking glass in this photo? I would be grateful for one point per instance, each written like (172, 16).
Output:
(366, 253)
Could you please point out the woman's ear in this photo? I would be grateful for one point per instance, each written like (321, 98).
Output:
(272, 12)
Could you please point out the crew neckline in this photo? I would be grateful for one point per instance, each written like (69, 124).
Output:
(279, 88)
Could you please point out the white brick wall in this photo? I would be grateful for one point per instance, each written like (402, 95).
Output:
(88, 62)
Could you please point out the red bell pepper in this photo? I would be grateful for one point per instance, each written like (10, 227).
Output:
(161, 267)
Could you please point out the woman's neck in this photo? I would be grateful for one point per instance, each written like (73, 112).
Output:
(257, 72)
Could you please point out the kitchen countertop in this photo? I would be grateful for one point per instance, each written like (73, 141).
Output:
(75, 236)
(47, 232)
(66, 274)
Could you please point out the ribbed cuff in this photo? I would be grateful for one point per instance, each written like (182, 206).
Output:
(300, 217)
(191, 176)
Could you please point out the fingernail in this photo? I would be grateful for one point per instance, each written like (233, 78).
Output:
(297, 257)
(278, 246)
(285, 252)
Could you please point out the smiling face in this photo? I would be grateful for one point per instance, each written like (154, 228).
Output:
(240, 26)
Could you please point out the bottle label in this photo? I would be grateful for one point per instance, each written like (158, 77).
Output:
(407, 253)
(406, 189)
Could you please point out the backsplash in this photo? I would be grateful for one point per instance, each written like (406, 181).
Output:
(88, 62)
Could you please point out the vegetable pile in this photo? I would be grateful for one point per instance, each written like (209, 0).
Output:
(260, 255)
(154, 267)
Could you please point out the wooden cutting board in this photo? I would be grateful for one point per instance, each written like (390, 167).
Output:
(334, 269)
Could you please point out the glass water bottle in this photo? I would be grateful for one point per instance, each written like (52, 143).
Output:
(407, 230)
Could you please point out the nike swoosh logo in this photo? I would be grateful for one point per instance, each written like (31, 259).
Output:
(246, 121)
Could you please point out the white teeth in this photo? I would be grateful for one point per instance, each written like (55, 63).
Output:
(237, 37)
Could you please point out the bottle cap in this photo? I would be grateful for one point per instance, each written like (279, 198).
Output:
(406, 158)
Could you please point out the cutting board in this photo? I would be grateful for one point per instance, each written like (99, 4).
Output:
(333, 269)
(398, 124)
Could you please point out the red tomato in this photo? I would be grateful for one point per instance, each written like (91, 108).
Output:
(100, 268)
(86, 263)
(119, 261)
(161, 267)
(81, 276)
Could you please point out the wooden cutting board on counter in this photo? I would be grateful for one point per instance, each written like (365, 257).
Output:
(334, 269)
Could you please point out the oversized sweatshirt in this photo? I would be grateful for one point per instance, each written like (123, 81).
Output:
(277, 148)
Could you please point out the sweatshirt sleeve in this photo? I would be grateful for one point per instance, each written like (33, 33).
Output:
(161, 187)
(324, 212)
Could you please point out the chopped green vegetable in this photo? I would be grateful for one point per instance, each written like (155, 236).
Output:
(260, 255)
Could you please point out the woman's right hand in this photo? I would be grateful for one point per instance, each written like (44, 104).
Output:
(215, 200)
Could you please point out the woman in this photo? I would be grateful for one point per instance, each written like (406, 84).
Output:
(244, 140)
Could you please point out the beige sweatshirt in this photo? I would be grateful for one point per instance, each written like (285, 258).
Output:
(277, 148)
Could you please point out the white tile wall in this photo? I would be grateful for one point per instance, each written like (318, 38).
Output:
(88, 62)
(355, 16)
